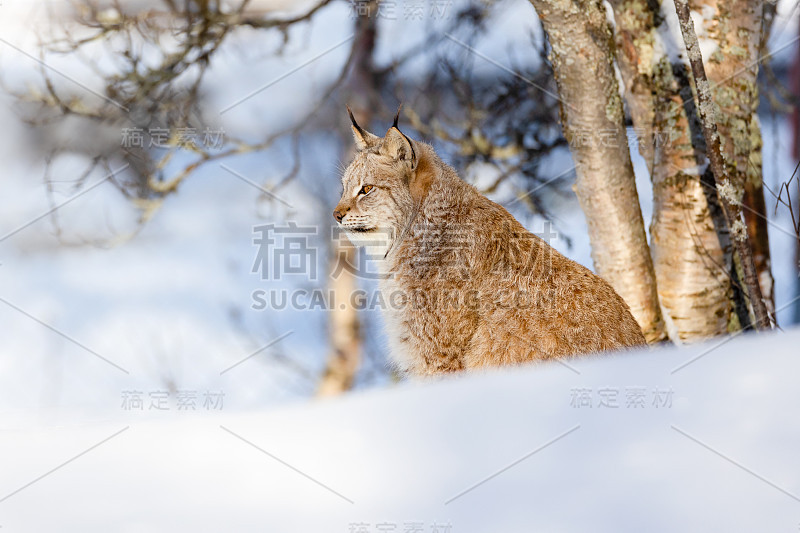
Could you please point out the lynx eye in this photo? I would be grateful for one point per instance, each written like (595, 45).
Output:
(366, 189)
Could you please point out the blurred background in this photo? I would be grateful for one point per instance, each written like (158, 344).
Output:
(170, 168)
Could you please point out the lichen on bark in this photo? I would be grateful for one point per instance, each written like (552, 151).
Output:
(688, 240)
(737, 28)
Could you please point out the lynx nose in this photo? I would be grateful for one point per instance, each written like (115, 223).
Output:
(339, 213)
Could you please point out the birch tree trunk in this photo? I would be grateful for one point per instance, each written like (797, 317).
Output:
(735, 26)
(345, 337)
(755, 215)
(689, 238)
(582, 56)
(728, 192)
(345, 357)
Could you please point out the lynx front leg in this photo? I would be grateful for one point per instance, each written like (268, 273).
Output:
(438, 339)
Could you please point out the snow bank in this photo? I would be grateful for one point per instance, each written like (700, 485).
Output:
(702, 439)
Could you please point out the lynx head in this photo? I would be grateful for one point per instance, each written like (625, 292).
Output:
(377, 199)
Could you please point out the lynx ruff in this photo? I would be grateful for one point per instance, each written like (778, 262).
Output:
(492, 293)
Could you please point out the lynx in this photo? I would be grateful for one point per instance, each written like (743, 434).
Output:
(470, 286)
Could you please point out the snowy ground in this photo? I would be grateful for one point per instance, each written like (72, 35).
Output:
(702, 439)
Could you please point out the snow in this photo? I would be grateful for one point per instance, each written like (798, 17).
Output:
(717, 453)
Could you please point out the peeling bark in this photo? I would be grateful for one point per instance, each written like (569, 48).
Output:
(691, 251)
(582, 54)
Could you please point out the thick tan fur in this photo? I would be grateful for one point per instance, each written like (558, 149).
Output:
(468, 286)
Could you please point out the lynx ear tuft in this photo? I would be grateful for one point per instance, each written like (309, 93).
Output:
(397, 116)
(399, 147)
(362, 138)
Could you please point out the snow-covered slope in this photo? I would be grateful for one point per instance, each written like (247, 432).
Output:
(711, 445)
